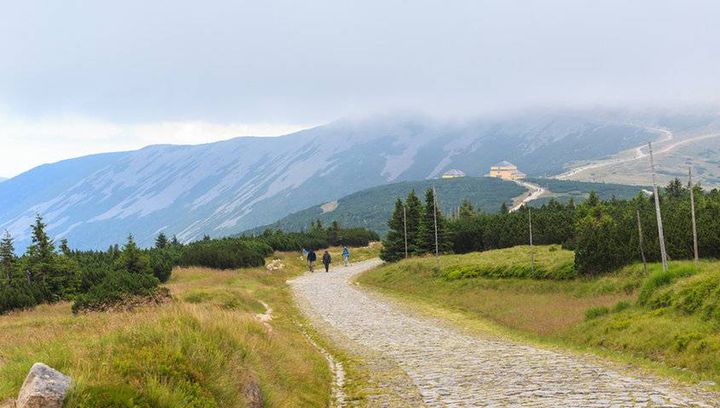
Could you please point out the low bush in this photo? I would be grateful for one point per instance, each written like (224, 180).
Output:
(620, 306)
(225, 253)
(115, 288)
(595, 312)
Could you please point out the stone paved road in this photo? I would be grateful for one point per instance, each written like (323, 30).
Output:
(454, 369)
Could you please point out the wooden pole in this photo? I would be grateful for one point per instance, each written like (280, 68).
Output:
(532, 252)
(405, 230)
(640, 242)
(435, 209)
(692, 211)
(661, 236)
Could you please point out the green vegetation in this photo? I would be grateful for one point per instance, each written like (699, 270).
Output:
(550, 262)
(669, 320)
(205, 349)
(372, 207)
(578, 191)
(603, 234)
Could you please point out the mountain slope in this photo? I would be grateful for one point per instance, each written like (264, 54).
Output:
(371, 208)
(228, 187)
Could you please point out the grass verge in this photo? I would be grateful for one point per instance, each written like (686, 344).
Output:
(673, 331)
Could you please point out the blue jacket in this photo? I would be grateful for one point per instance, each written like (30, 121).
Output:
(346, 252)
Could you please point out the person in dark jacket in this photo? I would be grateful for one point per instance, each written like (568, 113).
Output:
(326, 261)
(311, 258)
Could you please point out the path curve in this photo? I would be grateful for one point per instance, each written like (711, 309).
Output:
(454, 369)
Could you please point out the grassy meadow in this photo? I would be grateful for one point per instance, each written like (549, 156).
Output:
(666, 321)
(204, 349)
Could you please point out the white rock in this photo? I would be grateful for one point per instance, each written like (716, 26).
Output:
(44, 387)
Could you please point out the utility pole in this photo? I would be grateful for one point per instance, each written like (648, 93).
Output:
(435, 209)
(640, 242)
(692, 210)
(661, 236)
(532, 252)
(405, 229)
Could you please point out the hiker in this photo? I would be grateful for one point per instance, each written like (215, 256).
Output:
(326, 261)
(304, 254)
(311, 258)
(346, 255)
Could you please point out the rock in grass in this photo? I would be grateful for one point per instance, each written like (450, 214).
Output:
(44, 387)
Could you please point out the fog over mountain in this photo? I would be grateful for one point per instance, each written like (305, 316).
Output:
(227, 187)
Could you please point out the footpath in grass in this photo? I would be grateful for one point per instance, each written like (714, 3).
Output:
(668, 321)
(204, 349)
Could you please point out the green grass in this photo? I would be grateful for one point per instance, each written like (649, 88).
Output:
(550, 262)
(205, 349)
(666, 321)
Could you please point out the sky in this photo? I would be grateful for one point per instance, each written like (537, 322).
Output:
(78, 77)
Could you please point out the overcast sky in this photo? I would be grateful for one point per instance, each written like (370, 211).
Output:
(83, 76)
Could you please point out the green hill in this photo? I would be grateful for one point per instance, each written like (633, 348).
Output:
(372, 207)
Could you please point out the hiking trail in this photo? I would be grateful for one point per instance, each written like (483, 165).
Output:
(442, 366)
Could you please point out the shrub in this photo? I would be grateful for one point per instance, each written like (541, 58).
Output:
(226, 253)
(620, 306)
(114, 288)
(595, 312)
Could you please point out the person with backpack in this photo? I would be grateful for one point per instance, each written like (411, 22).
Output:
(346, 255)
(326, 261)
(311, 258)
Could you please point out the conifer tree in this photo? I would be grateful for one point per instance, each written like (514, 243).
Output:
(161, 241)
(413, 213)
(132, 259)
(175, 241)
(64, 247)
(394, 242)
(7, 257)
(40, 254)
(504, 208)
(426, 231)
(466, 210)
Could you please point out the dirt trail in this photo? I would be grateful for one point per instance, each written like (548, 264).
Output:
(452, 369)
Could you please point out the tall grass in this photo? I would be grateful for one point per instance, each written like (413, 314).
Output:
(204, 350)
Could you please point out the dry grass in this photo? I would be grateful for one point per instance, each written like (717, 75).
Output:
(205, 349)
(541, 307)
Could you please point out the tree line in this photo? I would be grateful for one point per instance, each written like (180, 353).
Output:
(603, 233)
(48, 272)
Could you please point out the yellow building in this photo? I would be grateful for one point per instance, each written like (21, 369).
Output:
(454, 173)
(506, 171)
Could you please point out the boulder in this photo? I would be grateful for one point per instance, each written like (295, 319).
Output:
(44, 387)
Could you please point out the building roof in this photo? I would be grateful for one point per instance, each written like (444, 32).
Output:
(504, 163)
(454, 172)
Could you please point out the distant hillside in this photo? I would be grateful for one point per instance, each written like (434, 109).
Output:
(564, 190)
(227, 187)
(371, 208)
(2, 179)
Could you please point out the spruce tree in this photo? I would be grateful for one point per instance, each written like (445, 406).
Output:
(467, 210)
(414, 210)
(7, 257)
(426, 232)
(394, 242)
(64, 247)
(175, 241)
(132, 259)
(40, 254)
(161, 241)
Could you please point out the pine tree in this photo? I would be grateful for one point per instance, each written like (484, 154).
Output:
(466, 210)
(40, 253)
(132, 259)
(413, 214)
(7, 257)
(426, 232)
(175, 241)
(161, 241)
(504, 208)
(334, 233)
(64, 247)
(394, 242)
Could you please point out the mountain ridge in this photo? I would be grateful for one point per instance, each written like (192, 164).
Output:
(230, 186)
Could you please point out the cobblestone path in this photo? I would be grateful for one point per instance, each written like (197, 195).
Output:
(452, 369)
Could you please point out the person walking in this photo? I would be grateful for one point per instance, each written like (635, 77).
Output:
(346, 255)
(311, 258)
(326, 261)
